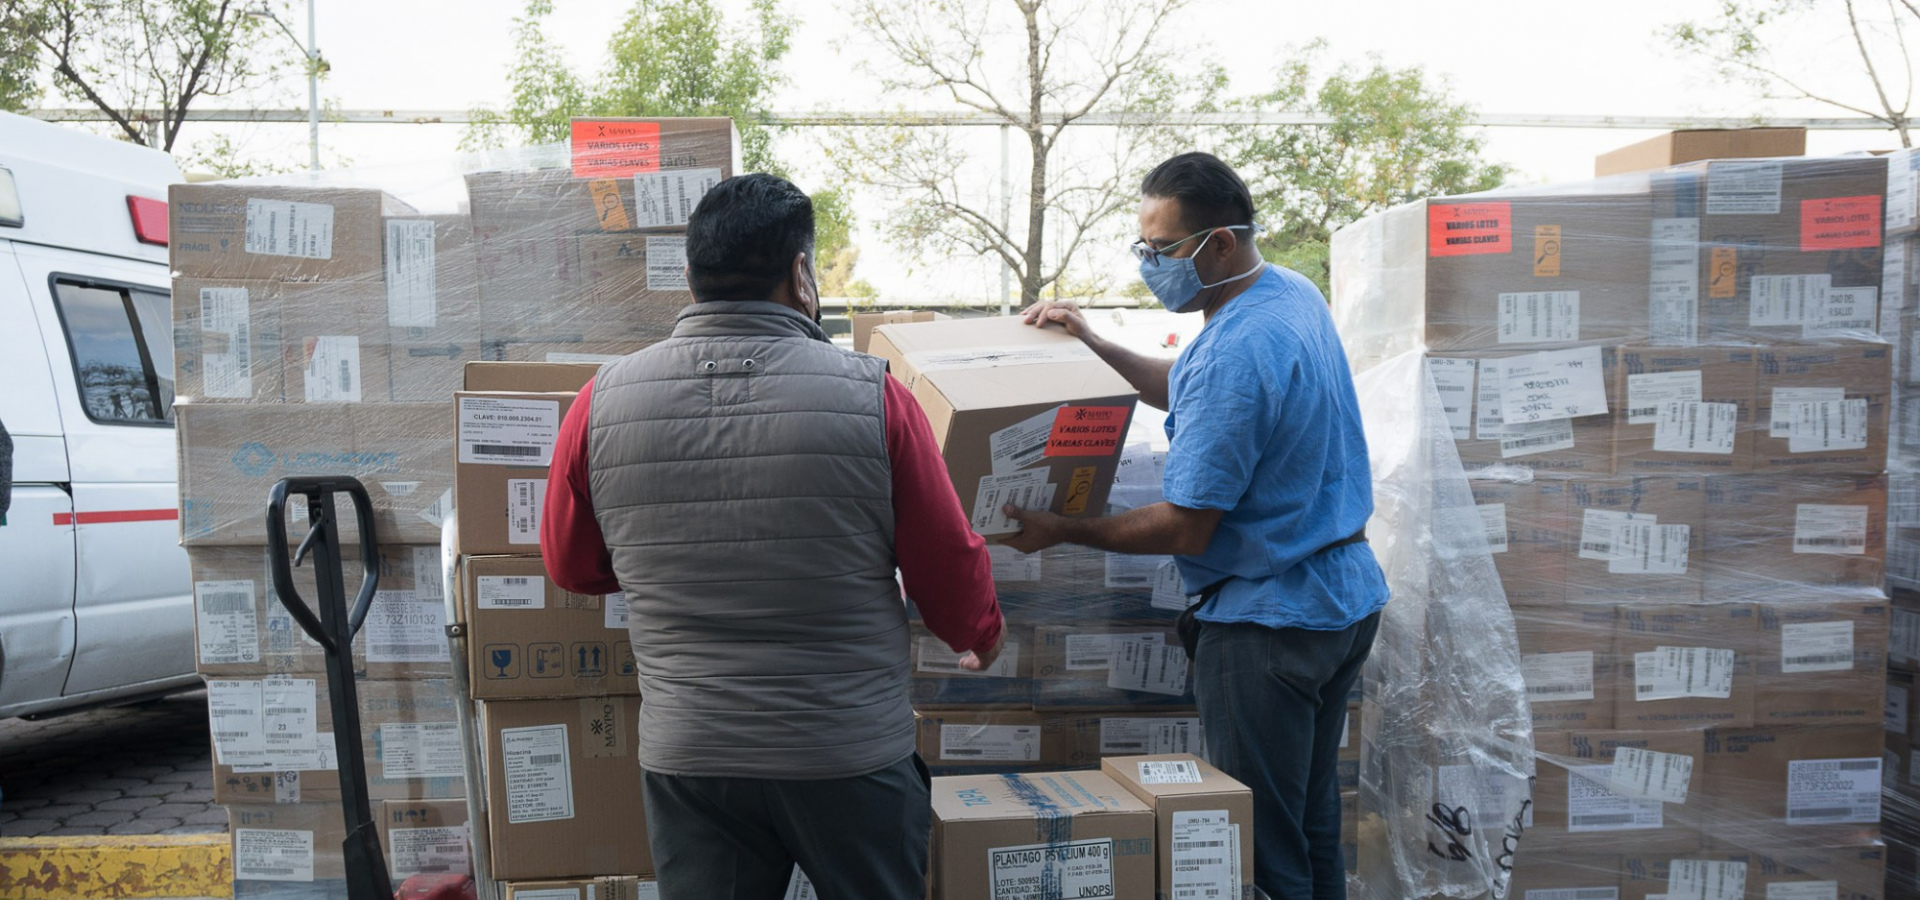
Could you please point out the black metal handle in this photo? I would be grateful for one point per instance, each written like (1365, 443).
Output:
(319, 493)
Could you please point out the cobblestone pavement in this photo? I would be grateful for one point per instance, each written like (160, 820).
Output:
(142, 769)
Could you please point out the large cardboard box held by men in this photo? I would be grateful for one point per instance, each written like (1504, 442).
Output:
(1023, 415)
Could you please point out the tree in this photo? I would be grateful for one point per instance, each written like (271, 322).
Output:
(127, 55)
(1393, 137)
(20, 55)
(1740, 42)
(1040, 67)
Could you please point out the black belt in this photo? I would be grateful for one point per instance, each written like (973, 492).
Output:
(1188, 625)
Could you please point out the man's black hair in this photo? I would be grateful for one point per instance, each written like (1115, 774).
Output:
(743, 236)
(1210, 192)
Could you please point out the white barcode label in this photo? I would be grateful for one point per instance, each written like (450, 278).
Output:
(1699, 879)
(413, 300)
(1646, 393)
(1168, 771)
(1011, 566)
(525, 498)
(512, 592)
(616, 611)
(1844, 311)
(1803, 890)
(1780, 300)
(1149, 665)
(936, 657)
(333, 369)
(1205, 856)
(665, 199)
(1787, 400)
(403, 627)
(1644, 547)
(1670, 673)
(1021, 444)
(1453, 378)
(989, 743)
(227, 375)
(1095, 652)
(1060, 869)
(1896, 709)
(1488, 424)
(799, 887)
(428, 579)
(272, 854)
(1536, 437)
(1553, 384)
(233, 713)
(1893, 274)
(502, 432)
(1169, 589)
(1557, 677)
(1816, 647)
(1903, 639)
(1903, 182)
(289, 228)
(1598, 528)
(1025, 489)
(289, 713)
(1140, 736)
(538, 772)
(1830, 425)
(1830, 529)
(226, 622)
(666, 264)
(1650, 775)
(429, 851)
(1833, 791)
(1696, 428)
(1673, 282)
(1592, 807)
(1539, 317)
(1493, 518)
(1743, 189)
(421, 750)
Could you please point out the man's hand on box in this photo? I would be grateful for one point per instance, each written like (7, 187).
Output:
(1063, 313)
(1039, 529)
(976, 662)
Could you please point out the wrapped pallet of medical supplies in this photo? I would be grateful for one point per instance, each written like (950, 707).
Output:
(1675, 398)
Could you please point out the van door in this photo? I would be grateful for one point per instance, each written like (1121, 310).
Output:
(37, 533)
(107, 326)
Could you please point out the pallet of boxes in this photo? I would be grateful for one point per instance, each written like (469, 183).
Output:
(1671, 401)
(1900, 310)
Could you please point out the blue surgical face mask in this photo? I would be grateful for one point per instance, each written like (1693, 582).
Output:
(1176, 283)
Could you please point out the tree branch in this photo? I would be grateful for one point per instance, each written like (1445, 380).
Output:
(1897, 119)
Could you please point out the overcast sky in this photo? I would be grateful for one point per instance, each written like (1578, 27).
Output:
(1503, 56)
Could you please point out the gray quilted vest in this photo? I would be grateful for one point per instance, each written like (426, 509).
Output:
(739, 471)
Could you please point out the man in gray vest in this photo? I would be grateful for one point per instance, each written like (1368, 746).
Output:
(752, 488)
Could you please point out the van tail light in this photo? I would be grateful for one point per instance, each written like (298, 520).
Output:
(149, 219)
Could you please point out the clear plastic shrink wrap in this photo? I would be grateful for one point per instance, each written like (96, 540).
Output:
(1674, 406)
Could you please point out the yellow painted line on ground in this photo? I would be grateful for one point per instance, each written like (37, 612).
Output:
(112, 868)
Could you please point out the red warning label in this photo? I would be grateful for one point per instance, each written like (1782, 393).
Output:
(1460, 229)
(1087, 431)
(1840, 223)
(614, 149)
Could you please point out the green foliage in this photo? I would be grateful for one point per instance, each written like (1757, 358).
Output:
(1395, 136)
(20, 70)
(225, 156)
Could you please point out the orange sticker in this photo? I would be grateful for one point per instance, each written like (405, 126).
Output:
(613, 149)
(1087, 430)
(1546, 251)
(1461, 229)
(607, 205)
(1723, 274)
(1079, 488)
(1839, 223)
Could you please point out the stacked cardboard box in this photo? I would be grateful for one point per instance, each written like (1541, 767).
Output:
(1672, 400)
(1900, 310)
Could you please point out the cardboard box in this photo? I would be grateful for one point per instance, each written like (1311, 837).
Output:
(1055, 414)
(277, 232)
(226, 341)
(1003, 835)
(1574, 808)
(1786, 537)
(530, 376)
(1195, 808)
(288, 842)
(1854, 872)
(1705, 677)
(1070, 584)
(1530, 551)
(1567, 658)
(615, 887)
(1690, 440)
(570, 352)
(1637, 540)
(532, 638)
(1823, 663)
(541, 287)
(959, 741)
(864, 323)
(1821, 785)
(1081, 741)
(1073, 667)
(683, 157)
(1903, 200)
(938, 682)
(409, 738)
(1547, 448)
(504, 444)
(1845, 431)
(231, 456)
(424, 837)
(563, 781)
(1561, 875)
(432, 314)
(1690, 144)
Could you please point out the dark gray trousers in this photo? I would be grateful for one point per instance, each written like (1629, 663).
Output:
(859, 838)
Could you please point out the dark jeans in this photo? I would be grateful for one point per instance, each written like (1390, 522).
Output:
(1272, 703)
(859, 838)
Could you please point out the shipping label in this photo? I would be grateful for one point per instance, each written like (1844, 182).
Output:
(421, 750)
(615, 605)
(428, 577)
(1138, 477)
(1844, 311)
(289, 714)
(1488, 424)
(1839, 223)
(403, 627)
(272, 854)
(1554, 677)
(1205, 855)
(228, 374)
(428, 851)
(1130, 736)
(1816, 647)
(1149, 665)
(1693, 427)
(1901, 187)
(990, 743)
(333, 369)
(413, 299)
(227, 626)
(1699, 879)
(1830, 529)
(1553, 384)
(503, 432)
(1803, 890)
(1599, 530)
(1025, 489)
(1021, 444)
(1539, 317)
(1536, 437)
(1673, 284)
(538, 772)
(1465, 229)
(1493, 518)
(936, 657)
(1896, 710)
(1169, 589)
(1743, 189)
(289, 228)
(799, 887)
(233, 711)
(511, 592)
(1453, 378)
(1893, 275)
(1168, 771)
(1095, 652)
(1647, 392)
(1778, 300)
(1082, 869)
(1671, 673)
(666, 198)
(666, 263)
(1650, 775)
(1127, 571)
(1644, 547)
(1592, 807)
(525, 499)
(1833, 791)
(1832, 425)
(1787, 400)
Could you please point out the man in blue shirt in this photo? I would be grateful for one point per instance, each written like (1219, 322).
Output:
(1268, 492)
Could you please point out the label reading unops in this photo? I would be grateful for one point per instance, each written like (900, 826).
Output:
(512, 592)
(289, 228)
(990, 743)
(538, 772)
(503, 432)
(1081, 869)
(272, 854)
(227, 625)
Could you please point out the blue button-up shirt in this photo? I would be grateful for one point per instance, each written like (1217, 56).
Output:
(1264, 425)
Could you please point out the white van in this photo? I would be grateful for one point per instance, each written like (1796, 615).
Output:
(95, 597)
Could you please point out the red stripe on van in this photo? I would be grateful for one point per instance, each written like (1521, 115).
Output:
(107, 517)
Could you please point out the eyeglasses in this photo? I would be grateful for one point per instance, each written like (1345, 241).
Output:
(1145, 251)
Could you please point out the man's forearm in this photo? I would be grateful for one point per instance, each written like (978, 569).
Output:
(1147, 374)
(1155, 530)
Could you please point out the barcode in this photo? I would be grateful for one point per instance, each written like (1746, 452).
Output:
(544, 759)
(242, 352)
(1644, 411)
(1596, 547)
(1121, 748)
(1196, 845)
(504, 450)
(1830, 542)
(1599, 821)
(1857, 765)
(1824, 658)
(1201, 861)
(1456, 388)
(514, 582)
(346, 377)
(285, 710)
(1559, 689)
(226, 602)
(939, 665)
(1028, 455)
(510, 601)
(230, 735)
(951, 752)
(267, 870)
(1595, 894)
(449, 848)
(1836, 812)
(1532, 441)
(411, 649)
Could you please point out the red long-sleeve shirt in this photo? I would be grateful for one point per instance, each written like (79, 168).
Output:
(943, 564)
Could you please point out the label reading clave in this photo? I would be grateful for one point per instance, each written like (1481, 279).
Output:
(502, 432)
(1081, 869)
